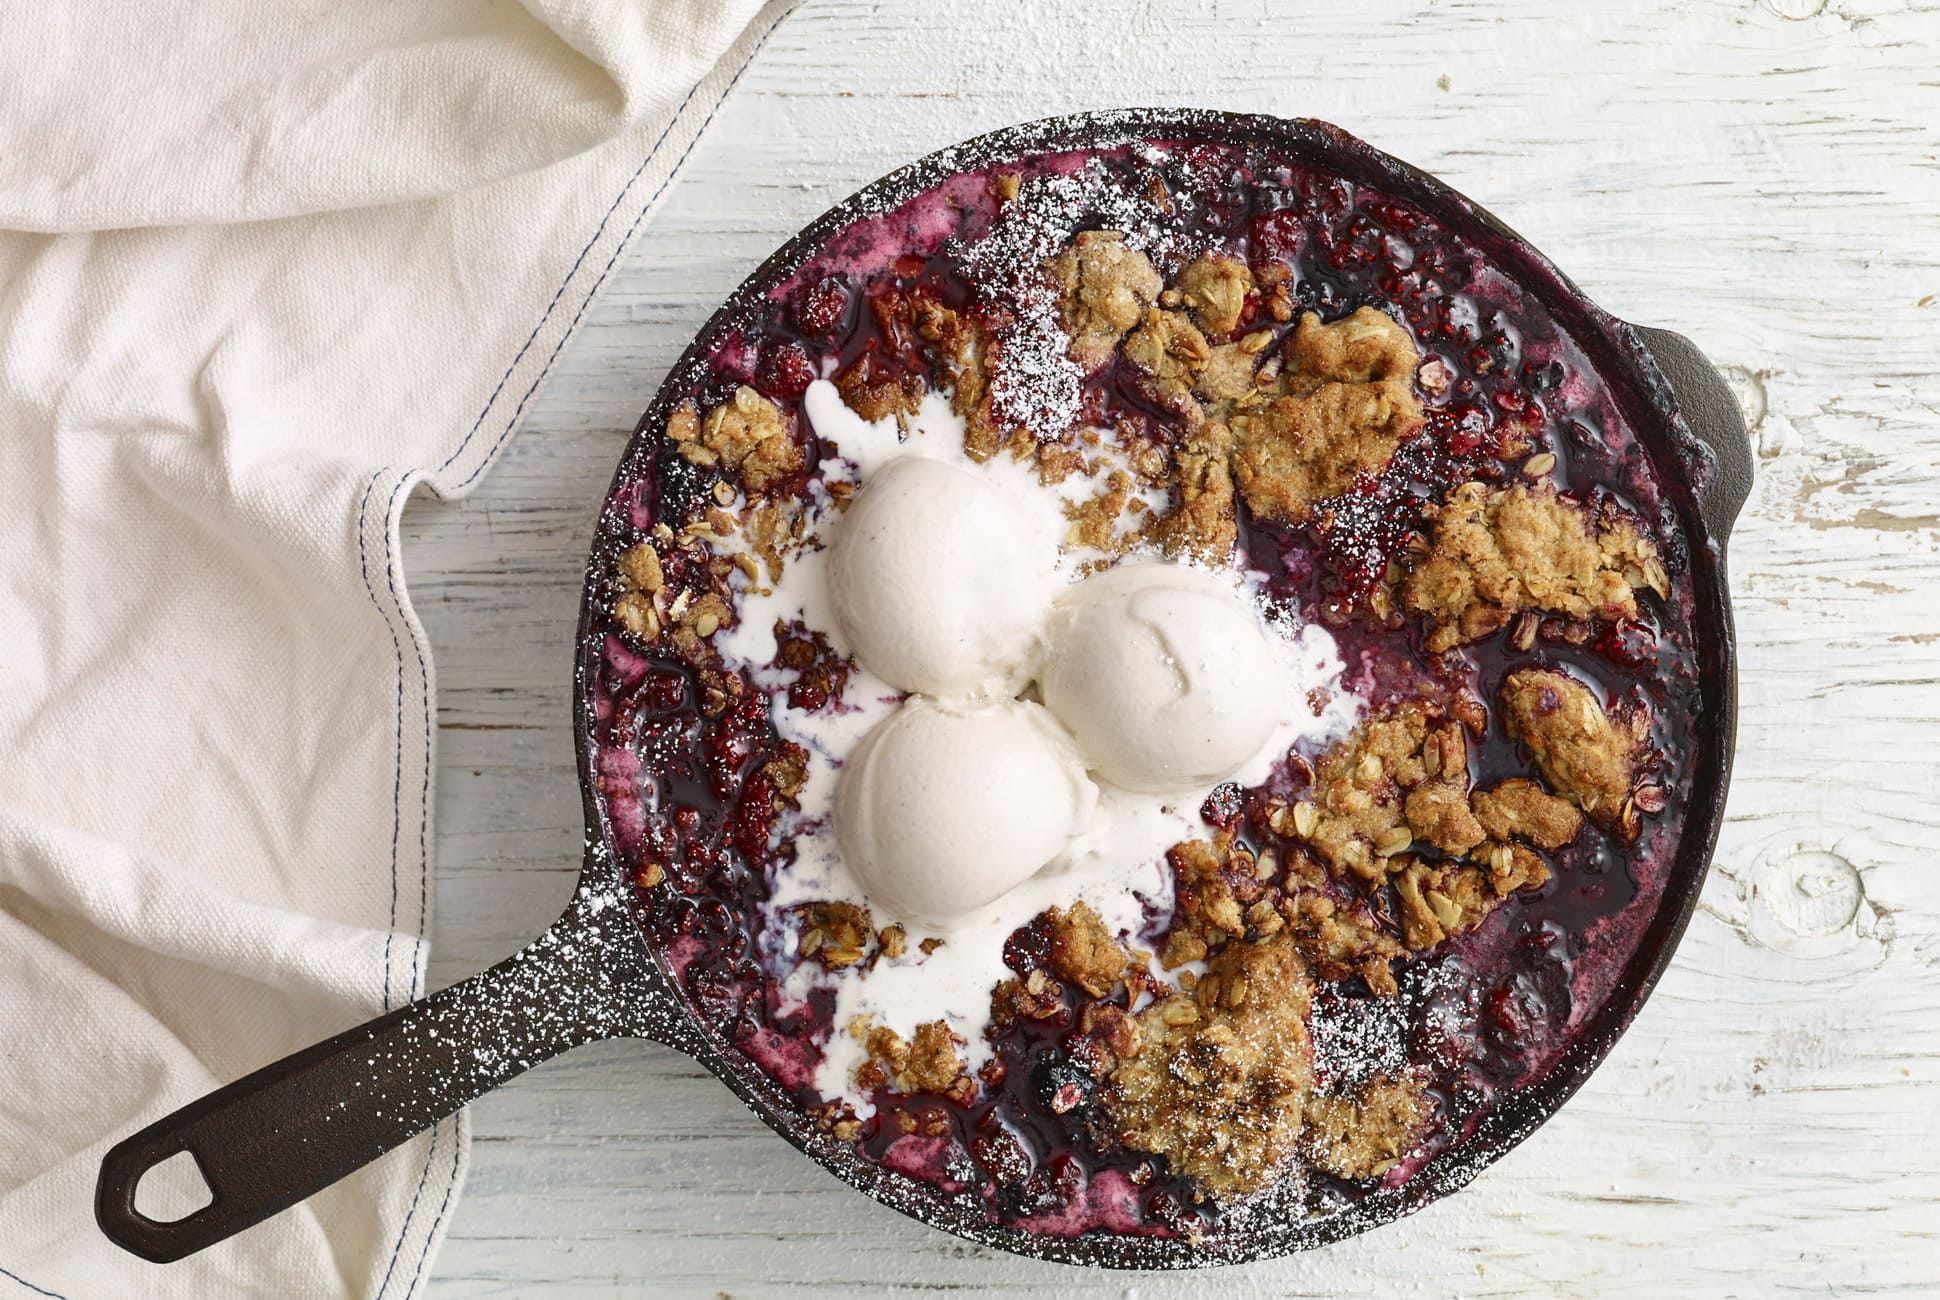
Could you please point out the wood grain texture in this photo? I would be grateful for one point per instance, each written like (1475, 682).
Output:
(1763, 176)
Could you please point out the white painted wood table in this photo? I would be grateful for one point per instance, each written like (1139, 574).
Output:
(1763, 175)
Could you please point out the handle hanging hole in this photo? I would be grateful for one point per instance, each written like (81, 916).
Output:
(173, 1189)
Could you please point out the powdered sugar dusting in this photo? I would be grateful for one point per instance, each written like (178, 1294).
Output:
(1037, 384)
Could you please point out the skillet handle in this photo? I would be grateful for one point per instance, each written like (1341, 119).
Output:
(1713, 414)
(291, 1129)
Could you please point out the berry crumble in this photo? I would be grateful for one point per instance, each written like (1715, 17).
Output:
(1265, 993)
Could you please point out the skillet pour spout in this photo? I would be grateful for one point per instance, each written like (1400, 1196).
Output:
(269, 1140)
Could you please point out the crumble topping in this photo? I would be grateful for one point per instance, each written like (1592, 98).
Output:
(1215, 286)
(681, 607)
(1104, 287)
(929, 1061)
(1581, 751)
(1230, 371)
(1397, 785)
(641, 581)
(1095, 521)
(1494, 552)
(820, 674)
(747, 434)
(1365, 1133)
(1449, 898)
(1521, 809)
(1400, 776)
(1220, 1077)
(1225, 892)
(1035, 996)
(1348, 404)
(835, 933)
(1170, 351)
(1342, 939)
(1083, 951)
(1204, 525)
(963, 353)
(876, 391)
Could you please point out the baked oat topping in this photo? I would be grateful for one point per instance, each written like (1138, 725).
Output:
(1204, 525)
(1220, 1078)
(1214, 287)
(1521, 809)
(747, 434)
(641, 582)
(1083, 951)
(876, 391)
(1366, 1132)
(1170, 351)
(1401, 776)
(1495, 552)
(1224, 892)
(1348, 404)
(1449, 898)
(836, 933)
(1104, 287)
(961, 347)
(1097, 522)
(1583, 753)
(1234, 372)
(930, 1061)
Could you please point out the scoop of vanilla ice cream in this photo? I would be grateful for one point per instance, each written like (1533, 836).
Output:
(1163, 675)
(942, 810)
(940, 582)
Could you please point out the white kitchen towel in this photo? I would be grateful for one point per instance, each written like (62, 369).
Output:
(271, 263)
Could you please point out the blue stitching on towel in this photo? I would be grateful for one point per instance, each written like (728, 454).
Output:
(424, 693)
(363, 564)
(560, 292)
(397, 650)
(37, 1290)
(456, 1162)
(607, 269)
(437, 1132)
(424, 1256)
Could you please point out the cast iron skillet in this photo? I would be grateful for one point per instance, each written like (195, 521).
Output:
(292, 1128)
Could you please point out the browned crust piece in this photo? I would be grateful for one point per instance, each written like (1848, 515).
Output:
(1440, 900)
(1094, 521)
(1400, 776)
(1225, 893)
(876, 391)
(1521, 809)
(1365, 1133)
(1171, 352)
(964, 353)
(1398, 784)
(649, 607)
(1349, 403)
(1203, 526)
(1214, 287)
(1219, 1082)
(747, 435)
(1494, 552)
(930, 1061)
(1231, 372)
(1083, 951)
(1583, 754)
(637, 607)
(1104, 287)
(1342, 939)
(835, 933)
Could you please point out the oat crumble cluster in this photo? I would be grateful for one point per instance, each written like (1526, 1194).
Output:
(1271, 417)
